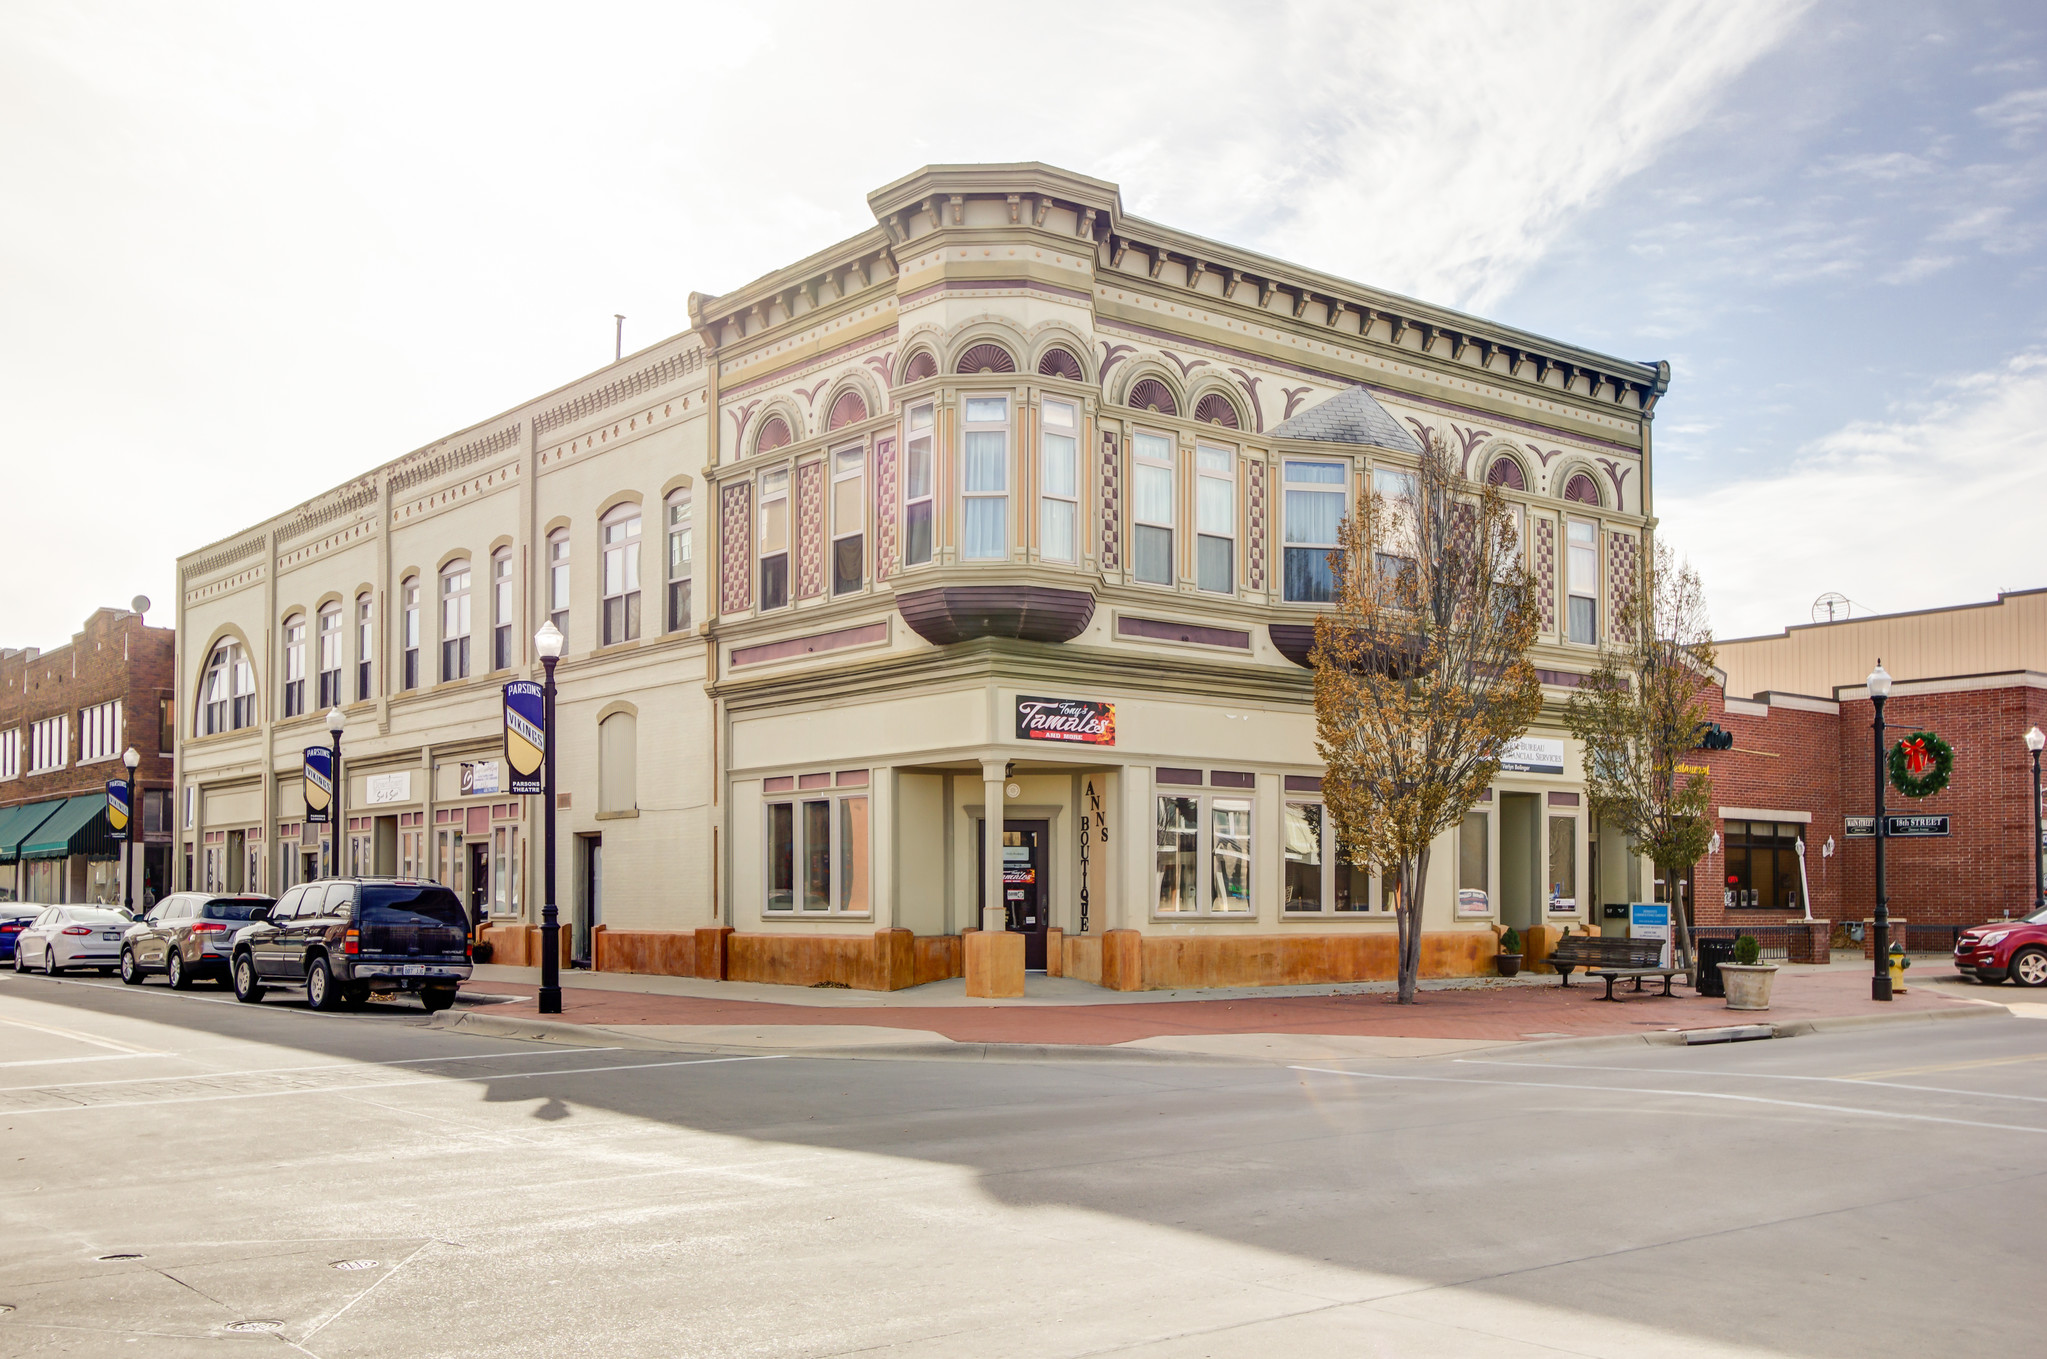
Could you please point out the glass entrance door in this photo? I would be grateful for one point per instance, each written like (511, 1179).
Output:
(1026, 850)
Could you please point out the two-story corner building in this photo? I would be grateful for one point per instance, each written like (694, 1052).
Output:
(1011, 501)
(68, 716)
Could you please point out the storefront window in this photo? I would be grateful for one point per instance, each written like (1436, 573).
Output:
(1318, 876)
(1563, 859)
(1474, 865)
(1762, 864)
(504, 870)
(817, 850)
(1203, 863)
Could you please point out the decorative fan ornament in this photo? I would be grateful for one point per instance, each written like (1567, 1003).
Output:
(1506, 474)
(922, 366)
(1058, 363)
(774, 434)
(1921, 764)
(1151, 395)
(986, 358)
(849, 409)
(1581, 489)
(1216, 410)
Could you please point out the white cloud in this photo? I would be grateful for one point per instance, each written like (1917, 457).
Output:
(1937, 504)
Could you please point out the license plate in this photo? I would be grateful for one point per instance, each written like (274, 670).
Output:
(412, 970)
(111, 935)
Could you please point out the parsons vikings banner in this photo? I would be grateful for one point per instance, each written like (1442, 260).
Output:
(525, 736)
(117, 808)
(319, 766)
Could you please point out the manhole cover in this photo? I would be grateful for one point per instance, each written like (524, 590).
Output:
(253, 1326)
(355, 1264)
(123, 1255)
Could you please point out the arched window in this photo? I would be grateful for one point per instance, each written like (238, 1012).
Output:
(227, 693)
(503, 608)
(618, 788)
(365, 649)
(678, 560)
(409, 626)
(1060, 364)
(920, 366)
(330, 655)
(986, 358)
(558, 580)
(849, 409)
(1582, 489)
(621, 536)
(1506, 474)
(774, 434)
(1215, 409)
(455, 620)
(1153, 395)
(295, 665)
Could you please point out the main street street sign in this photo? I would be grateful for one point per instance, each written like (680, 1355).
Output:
(1896, 827)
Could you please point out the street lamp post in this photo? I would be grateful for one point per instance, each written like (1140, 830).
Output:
(132, 759)
(547, 643)
(2035, 741)
(1880, 983)
(335, 824)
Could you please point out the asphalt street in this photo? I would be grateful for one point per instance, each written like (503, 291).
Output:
(189, 1176)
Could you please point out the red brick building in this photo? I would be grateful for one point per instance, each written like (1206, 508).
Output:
(1803, 762)
(67, 716)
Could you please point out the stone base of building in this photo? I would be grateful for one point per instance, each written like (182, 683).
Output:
(518, 945)
(1126, 960)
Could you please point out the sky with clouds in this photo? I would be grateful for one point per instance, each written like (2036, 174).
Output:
(254, 250)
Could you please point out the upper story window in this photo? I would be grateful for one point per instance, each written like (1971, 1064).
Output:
(917, 487)
(10, 753)
(295, 665)
(1313, 509)
(49, 743)
(1581, 573)
(849, 518)
(227, 694)
(365, 646)
(621, 534)
(678, 560)
(1059, 479)
(984, 478)
(330, 656)
(504, 605)
(774, 535)
(455, 621)
(99, 732)
(558, 580)
(1152, 484)
(1396, 489)
(410, 623)
(1215, 519)
(618, 788)
(166, 724)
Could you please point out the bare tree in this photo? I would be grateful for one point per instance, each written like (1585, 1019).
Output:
(1422, 674)
(1639, 716)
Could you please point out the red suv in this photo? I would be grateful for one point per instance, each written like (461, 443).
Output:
(2009, 948)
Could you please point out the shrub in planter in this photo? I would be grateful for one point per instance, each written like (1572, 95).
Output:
(1508, 959)
(1747, 951)
(1748, 978)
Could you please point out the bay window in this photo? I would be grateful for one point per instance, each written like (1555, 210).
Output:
(295, 665)
(1313, 509)
(621, 538)
(330, 656)
(1202, 863)
(984, 479)
(1394, 552)
(774, 549)
(849, 520)
(1152, 489)
(917, 488)
(678, 560)
(1581, 573)
(817, 844)
(1215, 519)
(1059, 482)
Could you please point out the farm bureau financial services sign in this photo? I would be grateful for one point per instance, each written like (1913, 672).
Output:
(1533, 755)
(1065, 719)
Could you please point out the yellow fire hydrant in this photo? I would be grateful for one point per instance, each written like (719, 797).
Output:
(1899, 962)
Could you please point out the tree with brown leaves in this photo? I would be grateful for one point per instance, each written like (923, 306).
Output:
(1422, 674)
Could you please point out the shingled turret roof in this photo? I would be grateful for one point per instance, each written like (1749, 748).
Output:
(1351, 417)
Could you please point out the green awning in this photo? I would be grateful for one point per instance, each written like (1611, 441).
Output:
(17, 823)
(77, 827)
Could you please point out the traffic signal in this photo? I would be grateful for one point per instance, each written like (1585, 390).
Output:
(1712, 736)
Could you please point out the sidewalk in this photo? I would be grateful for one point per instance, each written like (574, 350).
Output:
(1290, 1023)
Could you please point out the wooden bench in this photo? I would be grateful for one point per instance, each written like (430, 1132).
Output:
(1612, 960)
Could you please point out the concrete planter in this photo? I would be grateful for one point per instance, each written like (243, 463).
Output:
(1748, 984)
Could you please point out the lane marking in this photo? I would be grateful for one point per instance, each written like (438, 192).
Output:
(1679, 1094)
(293, 1070)
(1949, 1066)
(394, 1085)
(69, 1061)
(111, 1044)
(1754, 1076)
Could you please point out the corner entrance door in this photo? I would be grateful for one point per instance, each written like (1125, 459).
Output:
(1025, 859)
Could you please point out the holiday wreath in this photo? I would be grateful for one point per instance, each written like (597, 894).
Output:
(1920, 764)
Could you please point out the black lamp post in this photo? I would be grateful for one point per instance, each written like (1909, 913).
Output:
(131, 897)
(336, 824)
(547, 643)
(2034, 742)
(1880, 984)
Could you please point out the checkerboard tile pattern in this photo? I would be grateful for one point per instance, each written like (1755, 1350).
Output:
(1544, 566)
(735, 553)
(885, 529)
(1112, 512)
(1621, 549)
(1254, 525)
(810, 530)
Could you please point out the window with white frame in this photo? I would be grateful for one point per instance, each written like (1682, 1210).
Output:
(1202, 863)
(503, 608)
(984, 478)
(774, 535)
(295, 665)
(1313, 509)
(1059, 482)
(849, 520)
(558, 580)
(505, 894)
(1394, 552)
(411, 627)
(227, 693)
(1318, 877)
(1581, 572)
(49, 743)
(455, 621)
(679, 553)
(1215, 519)
(918, 473)
(365, 647)
(620, 533)
(10, 753)
(330, 656)
(816, 844)
(99, 732)
(1152, 489)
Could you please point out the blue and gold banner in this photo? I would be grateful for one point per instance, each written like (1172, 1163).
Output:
(118, 806)
(319, 762)
(525, 735)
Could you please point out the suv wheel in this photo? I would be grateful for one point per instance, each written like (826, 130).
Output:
(131, 971)
(321, 991)
(2029, 968)
(437, 998)
(247, 989)
(174, 967)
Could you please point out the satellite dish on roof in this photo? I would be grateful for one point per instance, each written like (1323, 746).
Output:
(1830, 607)
(140, 604)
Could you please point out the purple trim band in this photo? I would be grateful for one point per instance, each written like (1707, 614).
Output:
(1161, 630)
(806, 646)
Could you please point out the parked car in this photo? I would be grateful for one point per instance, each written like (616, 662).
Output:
(187, 936)
(344, 939)
(14, 918)
(2009, 948)
(61, 937)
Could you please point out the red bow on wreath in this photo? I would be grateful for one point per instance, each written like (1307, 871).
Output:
(1918, 759)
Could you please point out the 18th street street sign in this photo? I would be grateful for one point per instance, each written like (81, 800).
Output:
(1896, 827)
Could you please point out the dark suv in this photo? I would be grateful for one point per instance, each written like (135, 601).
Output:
(343, 938)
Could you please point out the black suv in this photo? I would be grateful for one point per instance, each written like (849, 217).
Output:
(343, 938)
